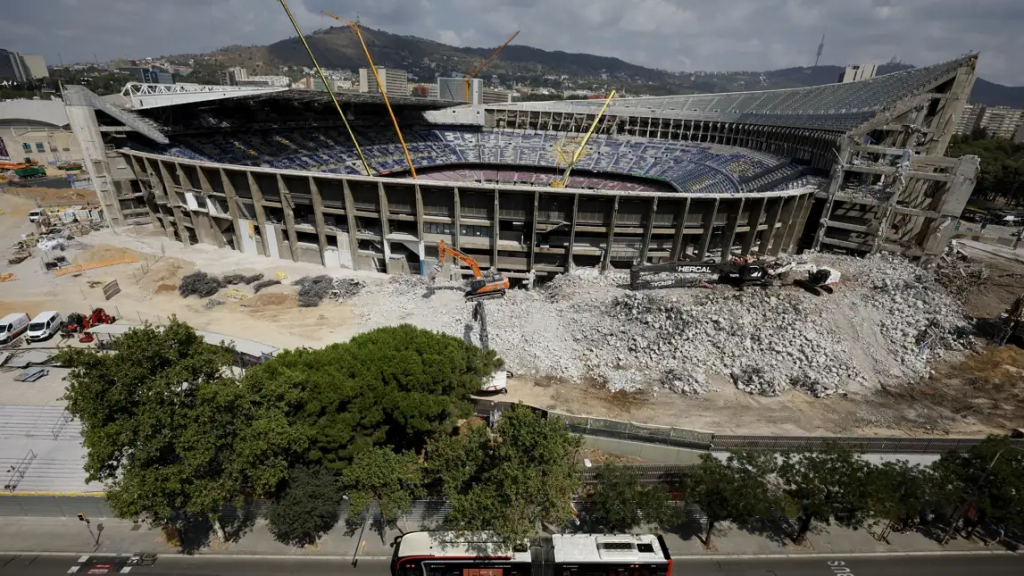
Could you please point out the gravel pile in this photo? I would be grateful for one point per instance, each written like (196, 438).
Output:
(264, 284)
(887, 322)
(313, 289)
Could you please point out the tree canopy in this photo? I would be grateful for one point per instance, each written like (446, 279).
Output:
(735, 490)
(507, 479)
(382, 476)
(168, 430)
(394, 387)
(1001, 174)
(827, 486)
(620, 502)
(308, 507)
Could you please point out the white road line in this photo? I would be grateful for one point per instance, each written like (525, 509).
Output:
(73, 569)
(83, 559)
(126, 569)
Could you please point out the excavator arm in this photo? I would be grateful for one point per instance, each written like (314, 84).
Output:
(444, 250)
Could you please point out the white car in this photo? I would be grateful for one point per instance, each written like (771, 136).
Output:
(44, 325)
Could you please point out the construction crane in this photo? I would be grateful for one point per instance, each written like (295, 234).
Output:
(564, 180)
(330, 91)
(380, 86)
(482, 286)
(486, 63)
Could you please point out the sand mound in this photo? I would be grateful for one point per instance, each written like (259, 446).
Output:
(169, 270)
(165, 288)
(266, 300)
(104, 252)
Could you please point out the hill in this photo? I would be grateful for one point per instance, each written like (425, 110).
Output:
(425, 60)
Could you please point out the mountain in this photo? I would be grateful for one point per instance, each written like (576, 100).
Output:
(338, 47)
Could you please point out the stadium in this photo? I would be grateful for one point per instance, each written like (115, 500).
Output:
(858, 167)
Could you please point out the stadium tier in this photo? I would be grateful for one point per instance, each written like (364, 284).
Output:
(685, 166)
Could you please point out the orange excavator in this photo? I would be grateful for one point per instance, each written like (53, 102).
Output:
(482, 286)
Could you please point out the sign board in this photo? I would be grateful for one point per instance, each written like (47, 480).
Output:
(111, 289)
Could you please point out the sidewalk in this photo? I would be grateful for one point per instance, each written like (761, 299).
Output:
(24, 534)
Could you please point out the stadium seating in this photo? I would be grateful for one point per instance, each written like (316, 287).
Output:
(688, 166)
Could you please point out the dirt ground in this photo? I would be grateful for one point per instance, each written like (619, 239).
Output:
(979, 394)
(55, 196)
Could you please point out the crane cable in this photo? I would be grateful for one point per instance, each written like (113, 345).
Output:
(352, 135)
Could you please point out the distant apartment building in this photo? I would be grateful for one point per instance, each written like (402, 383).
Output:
(998, 121)
(395, 81)
(148, 74)
(858, 72)
(455, 89)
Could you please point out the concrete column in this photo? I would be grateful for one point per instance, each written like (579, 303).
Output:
(838, 173)
(649, 230)
(350, 214)
(457, 233)
(385, 223)
(940, 230)
(232, 199)
(677, 242)
(419, 213)
(729, 234)
(494, 238)
(533, 232)
(572, 233)
(771, 222)
(172, 201)
(211, 222)
(798, 224)
(606, 262)
(86, 128)
(157, 183)
(261, 217)
(780, 237)
(754, 219)
(289, 217)
(709, 225)
(318, 217)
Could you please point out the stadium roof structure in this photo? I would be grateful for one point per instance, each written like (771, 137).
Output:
(33, 112)
(839, 107)
(138, 96)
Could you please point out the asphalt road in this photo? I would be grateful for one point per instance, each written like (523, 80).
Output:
(938, 565)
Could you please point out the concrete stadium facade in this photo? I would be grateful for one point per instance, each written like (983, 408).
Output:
(397, 223)
(880, 141)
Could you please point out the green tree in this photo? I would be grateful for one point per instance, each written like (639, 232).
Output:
(735, 490)
(620, 502)
(307, 508)
(394, 387)
(988, 476)
(166, 428)
(379, 475)
(509, 479)
(827, 486)
(899, 492)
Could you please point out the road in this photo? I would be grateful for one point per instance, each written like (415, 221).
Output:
(937, 565)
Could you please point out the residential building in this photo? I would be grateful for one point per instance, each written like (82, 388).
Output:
(395, 81)
(998, 121)
(858, 72)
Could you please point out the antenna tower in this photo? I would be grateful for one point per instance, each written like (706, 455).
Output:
(821, 48)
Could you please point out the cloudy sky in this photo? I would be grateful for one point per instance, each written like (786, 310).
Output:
(670, 34)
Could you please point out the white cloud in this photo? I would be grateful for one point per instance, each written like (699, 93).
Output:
(669, 34)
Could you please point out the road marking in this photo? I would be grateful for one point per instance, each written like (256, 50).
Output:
(126, 569)
(83, 559)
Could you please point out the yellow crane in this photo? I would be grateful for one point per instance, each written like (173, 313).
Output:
(486, 63)
(330, 91)
(564, 180)
(380, 86)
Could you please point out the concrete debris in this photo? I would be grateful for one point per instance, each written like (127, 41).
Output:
(314, 289)
(264, 284)
(213, 303)
(233, 279)
(347, 288)
(886, 323)
(199, 284)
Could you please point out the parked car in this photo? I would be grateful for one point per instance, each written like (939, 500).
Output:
(44, 325)
(12, 326)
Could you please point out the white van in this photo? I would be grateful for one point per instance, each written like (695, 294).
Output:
(12, 326)
(44, 325)
(34, 215)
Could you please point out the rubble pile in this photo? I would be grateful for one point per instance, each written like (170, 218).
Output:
(313, 289)
(347, 288)
(887, 321)
(199, 284)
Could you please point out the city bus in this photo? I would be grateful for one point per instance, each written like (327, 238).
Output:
(445, 554)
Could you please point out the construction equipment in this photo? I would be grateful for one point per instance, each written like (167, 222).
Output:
(380, 86)
(77, 323)
(486, 63)
(739, 273)
(30, 172)
(564, 180)
(482, 286)
(1012, 321)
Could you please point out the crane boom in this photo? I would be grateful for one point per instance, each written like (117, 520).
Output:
(330, 91)
(564, 181)
(487, 62)
(383, 93)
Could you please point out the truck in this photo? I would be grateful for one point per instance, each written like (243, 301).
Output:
(30, 172)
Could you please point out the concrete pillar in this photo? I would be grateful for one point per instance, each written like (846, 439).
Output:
(677, 242)
(172, 201)
(457, 233)
(569, 265)
(729, 233)
(781, 236)
(318, 217)
(419, 213)
(261, 217)
(606, 262)
(753, 221)
(289, 217)
(494, 237)
(86, 128)
(770, 222)
(232, 199)
(648, 230)
(951, 205)
(350, 215)
(533, 232)
(709, 225)
(385, 223)
(838, 173)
